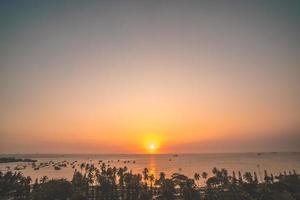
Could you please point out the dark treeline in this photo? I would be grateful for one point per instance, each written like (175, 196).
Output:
(12, 159)
(111, 183)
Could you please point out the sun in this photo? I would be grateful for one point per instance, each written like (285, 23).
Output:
(151, 143)
(152, 148)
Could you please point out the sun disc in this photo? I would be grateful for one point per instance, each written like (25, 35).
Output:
(152, 146)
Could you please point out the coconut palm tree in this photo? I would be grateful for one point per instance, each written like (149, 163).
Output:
(166, 190)
(188, 190)
(197, 178)
(82, 165)
(204, 175)
(44, 179)
(240, 178)
(233, 179)
(146, 174)
(248, 177)
(120, 174)
(151, 179)
(255, 178)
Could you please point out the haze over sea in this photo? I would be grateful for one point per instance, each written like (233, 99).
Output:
(169, 163)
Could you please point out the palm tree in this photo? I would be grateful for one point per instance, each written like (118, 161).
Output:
(272, 177)
(120, 174)
(87, 167)
(82, 165)
(144, 194)
(21, 187)
(44, 179)
(36, 184)
(162, 176)
(188, 190)
(146, 175)
(233, 177)
(255, 178)
(240, 178)
(204, 175)
(151, 178)
(79, 186)
(166, 190)
(212, 182)
(267, 178)
(248, 177)
(215, 170)
(197, 178)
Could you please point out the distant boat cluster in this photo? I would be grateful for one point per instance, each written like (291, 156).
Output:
(56, 165)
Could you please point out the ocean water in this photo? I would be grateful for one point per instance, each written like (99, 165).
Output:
(187, 164)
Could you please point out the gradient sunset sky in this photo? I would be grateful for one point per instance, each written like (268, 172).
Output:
(120, 76)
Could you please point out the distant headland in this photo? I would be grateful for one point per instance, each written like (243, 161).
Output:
(13, 159)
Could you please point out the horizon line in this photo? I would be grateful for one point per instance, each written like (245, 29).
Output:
(171, 153)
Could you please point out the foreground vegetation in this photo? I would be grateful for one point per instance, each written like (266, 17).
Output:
(110, 183)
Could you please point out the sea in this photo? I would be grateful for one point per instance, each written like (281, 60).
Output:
(188, 164)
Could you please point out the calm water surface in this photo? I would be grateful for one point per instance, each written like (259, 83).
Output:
(184, 163)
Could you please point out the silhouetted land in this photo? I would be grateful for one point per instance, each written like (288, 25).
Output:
(12, 159)
(111, 183)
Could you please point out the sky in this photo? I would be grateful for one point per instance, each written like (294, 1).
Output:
(155, 76)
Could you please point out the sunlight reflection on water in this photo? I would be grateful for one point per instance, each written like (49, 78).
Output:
(188, 163)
